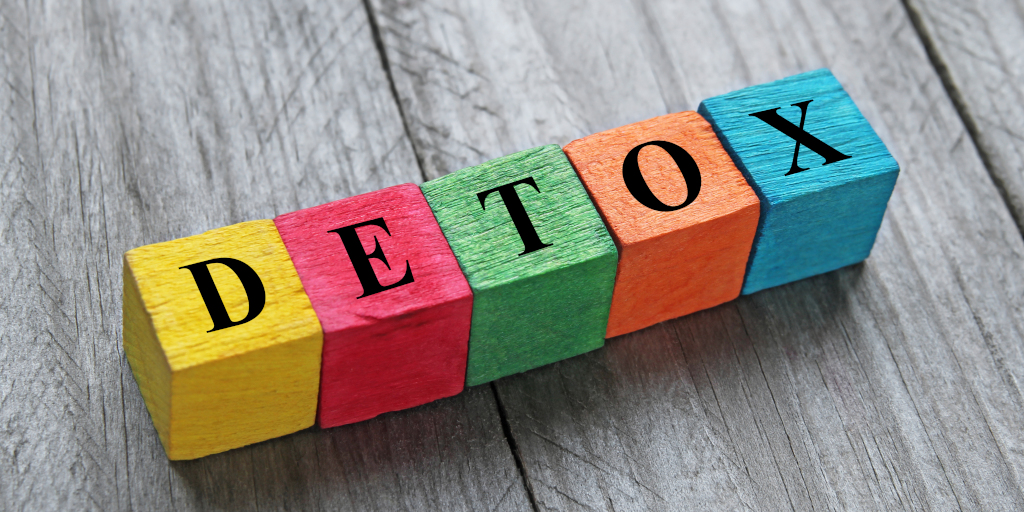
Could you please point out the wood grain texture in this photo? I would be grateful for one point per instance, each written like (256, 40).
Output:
(815, 217)
(671, 263)
(405, 343)
(228, 386)
(892, 384)
(529, 308)
(889, 385)
(979, 48)
(127, 123)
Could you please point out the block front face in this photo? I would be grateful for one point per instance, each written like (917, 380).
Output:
(221, 338)
(681, 213)
(537, 255)
(393, 303)
(822, 200)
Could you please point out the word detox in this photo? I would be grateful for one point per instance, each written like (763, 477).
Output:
(388, 300)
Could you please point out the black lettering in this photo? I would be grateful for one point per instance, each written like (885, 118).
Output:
(361, 260)
(214, 304)
(638, 187)
(797, 133)
(514, 205)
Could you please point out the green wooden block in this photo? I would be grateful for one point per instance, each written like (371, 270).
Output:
(537, 255)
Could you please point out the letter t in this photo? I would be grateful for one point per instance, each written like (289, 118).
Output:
(531, 242)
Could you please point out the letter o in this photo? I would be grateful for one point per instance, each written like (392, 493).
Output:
(638, 187)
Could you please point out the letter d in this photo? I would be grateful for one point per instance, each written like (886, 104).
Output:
(214, 304)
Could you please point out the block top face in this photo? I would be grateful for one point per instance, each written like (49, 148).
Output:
(842, 146)
(600, 160)
(485, 239)
(177, 309)
(373, 255)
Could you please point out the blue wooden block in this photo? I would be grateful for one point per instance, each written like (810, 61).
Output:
(822, 198)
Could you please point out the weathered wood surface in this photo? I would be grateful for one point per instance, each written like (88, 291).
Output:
(892, 384)
(979, 48)
(126, 123)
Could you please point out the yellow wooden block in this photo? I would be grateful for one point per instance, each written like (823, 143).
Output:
(214, 381)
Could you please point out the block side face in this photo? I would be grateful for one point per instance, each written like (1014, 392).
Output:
(405, 362)
(245, 399)
(485, 239)
(539, 320)
(683, 272)
(146, 357)
(819, 233)
(765, 154)
(599, 160)
(412, 245)
(180, 315)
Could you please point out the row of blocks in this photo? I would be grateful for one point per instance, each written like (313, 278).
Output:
(391, 299)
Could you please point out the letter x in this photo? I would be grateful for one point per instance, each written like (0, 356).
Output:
(797, 133)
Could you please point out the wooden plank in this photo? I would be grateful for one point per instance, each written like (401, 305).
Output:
(980, 51)
(890, 384)
(127, 123)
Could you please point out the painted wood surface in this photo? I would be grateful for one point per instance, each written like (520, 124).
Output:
(672, 261)
(395, 335)
(129, 123)
(542, 284)
(891, 384)
(821, 207)
(222, 339)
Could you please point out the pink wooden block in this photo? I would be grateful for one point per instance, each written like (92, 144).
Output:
(396, 334)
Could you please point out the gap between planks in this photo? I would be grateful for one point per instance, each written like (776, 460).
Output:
(371, 18)
(505, 428)
(935, 60)
(962, 111)
(513, 447)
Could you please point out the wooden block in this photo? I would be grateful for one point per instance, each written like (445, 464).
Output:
(822, 198)
(226, 352)
(538, 257)
(680, 212)
(393, 303)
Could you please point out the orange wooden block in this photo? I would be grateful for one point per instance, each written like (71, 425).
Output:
(679, 210)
